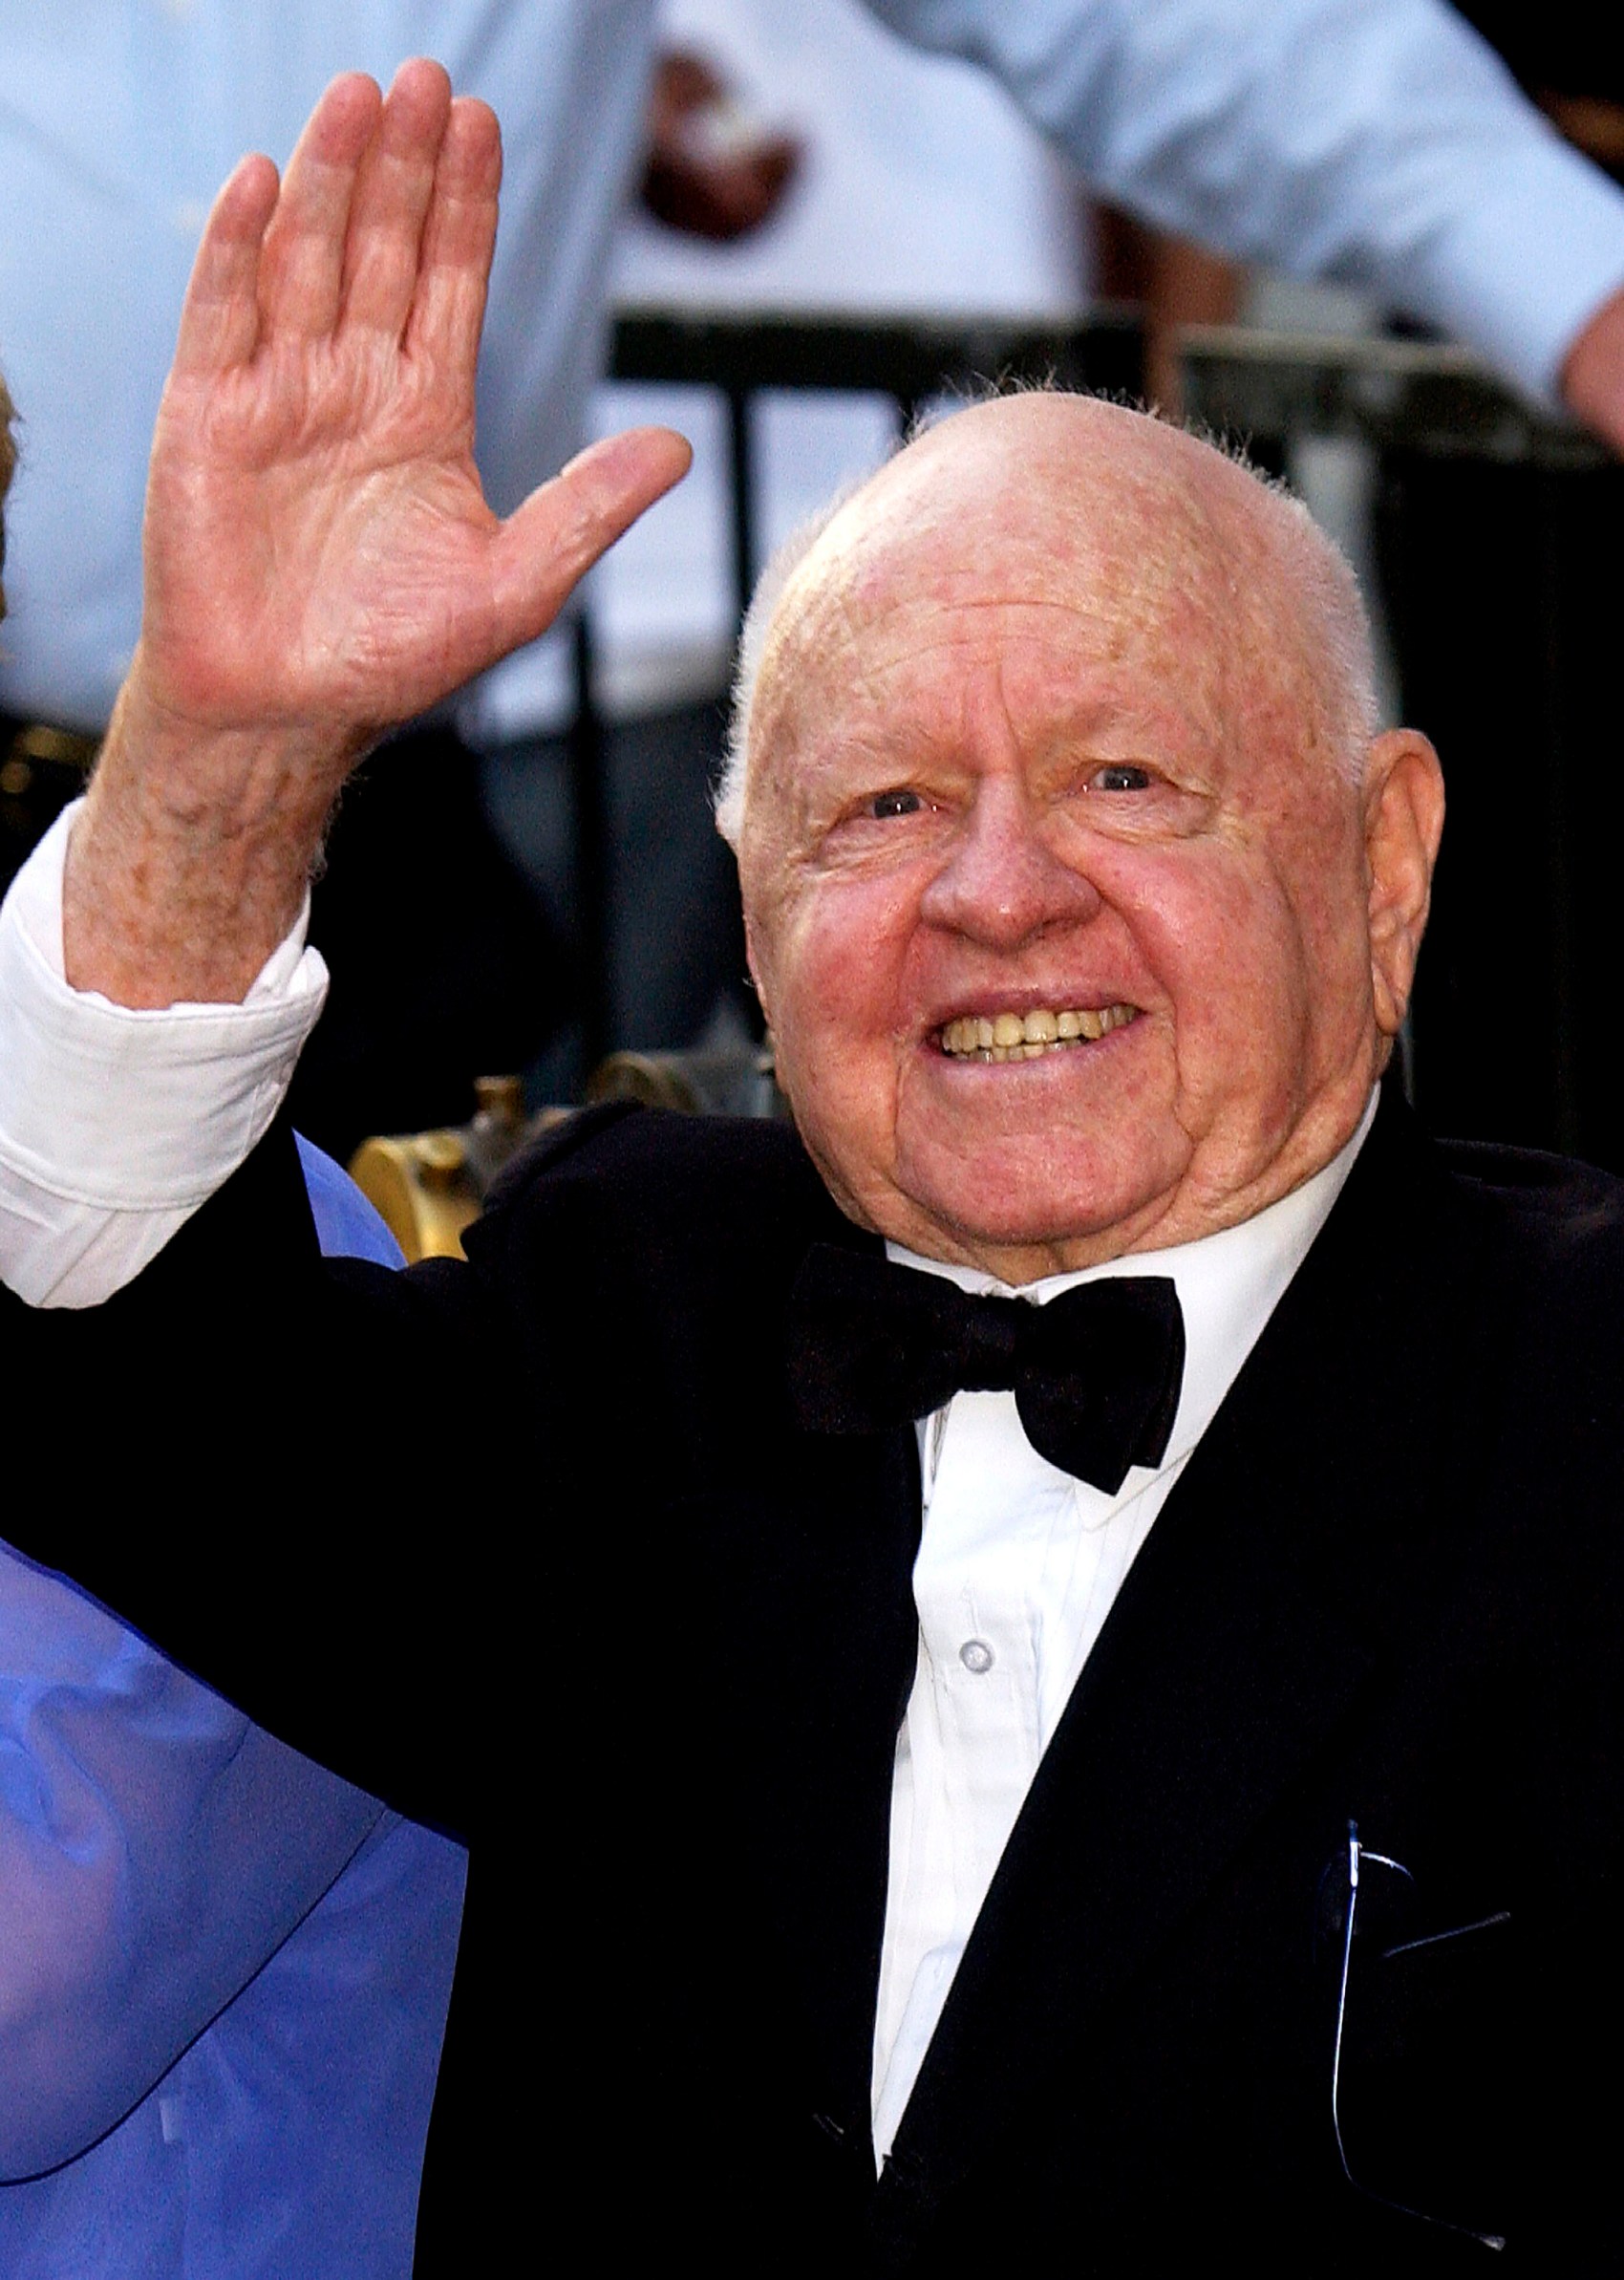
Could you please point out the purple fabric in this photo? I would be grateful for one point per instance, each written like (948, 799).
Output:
(224, 1973)
(347, 1224)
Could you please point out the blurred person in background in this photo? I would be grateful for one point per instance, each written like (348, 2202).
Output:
(1570, 59)
(923, 191)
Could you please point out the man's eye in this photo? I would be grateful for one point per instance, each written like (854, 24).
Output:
(1122, 779)
(900, 802)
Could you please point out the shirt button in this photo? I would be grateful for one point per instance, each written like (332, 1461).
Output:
(976, 1656)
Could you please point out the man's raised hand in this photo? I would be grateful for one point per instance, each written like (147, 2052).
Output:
(320, 559)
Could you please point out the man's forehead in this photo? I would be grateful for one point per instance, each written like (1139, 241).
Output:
(1043, 499)
(1025, 524)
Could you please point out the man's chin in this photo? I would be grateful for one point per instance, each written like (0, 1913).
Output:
(1025, 1210)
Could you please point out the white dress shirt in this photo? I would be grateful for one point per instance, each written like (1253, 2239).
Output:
(1019, 1567)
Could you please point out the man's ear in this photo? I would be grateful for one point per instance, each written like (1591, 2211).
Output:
(753, 961)
(1404, 822)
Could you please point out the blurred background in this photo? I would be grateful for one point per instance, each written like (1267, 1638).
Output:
(805, 235)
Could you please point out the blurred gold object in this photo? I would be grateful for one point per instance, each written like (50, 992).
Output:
(59, 747)
(42, 767)
(423, 1188)
(501, 1097)
(427, 1187)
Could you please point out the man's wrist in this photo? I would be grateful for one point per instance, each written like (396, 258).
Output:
(191, 858)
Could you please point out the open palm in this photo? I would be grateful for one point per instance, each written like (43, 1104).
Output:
(318, 545)
(320, 559)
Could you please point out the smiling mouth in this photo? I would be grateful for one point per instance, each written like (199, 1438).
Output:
(1030, 1035)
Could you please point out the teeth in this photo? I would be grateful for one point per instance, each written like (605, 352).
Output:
(1028, 1037)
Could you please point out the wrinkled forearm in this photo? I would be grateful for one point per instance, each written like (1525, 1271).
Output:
(191, 858)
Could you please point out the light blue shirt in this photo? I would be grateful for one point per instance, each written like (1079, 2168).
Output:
(118, 121)
(1378, 143)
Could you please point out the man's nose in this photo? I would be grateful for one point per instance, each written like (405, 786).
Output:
(1002, 883)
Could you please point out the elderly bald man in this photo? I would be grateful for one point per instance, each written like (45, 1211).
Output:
(1028, 1663)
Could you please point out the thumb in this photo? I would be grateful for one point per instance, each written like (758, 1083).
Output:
(555, 538)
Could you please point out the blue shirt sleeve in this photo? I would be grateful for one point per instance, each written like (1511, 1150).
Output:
(1379, 141)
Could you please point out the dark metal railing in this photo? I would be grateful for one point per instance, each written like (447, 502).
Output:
(1397, 395)
(910, 361)
(1496, 532)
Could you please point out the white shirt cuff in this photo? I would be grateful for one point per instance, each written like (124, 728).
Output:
(117, 1123)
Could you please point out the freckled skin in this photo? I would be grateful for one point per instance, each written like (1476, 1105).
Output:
(1038, 724)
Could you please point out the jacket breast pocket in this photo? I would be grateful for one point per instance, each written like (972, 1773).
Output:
(1429, 2068)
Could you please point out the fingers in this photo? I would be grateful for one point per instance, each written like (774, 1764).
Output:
(302, 264)
(393, 186)
(458, 240)
(385, 222)
(560, 531)
(220, 319)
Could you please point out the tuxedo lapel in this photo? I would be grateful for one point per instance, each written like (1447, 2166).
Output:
(1314, 1510)
(819, 1570)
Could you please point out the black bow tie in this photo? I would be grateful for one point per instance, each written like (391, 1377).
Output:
(1094, 1373)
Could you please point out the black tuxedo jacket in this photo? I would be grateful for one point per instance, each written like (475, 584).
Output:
(533, 1548)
